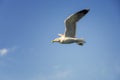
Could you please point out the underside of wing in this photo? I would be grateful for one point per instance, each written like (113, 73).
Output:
(70, 22)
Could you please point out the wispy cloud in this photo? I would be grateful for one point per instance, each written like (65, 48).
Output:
(3, 51)
(62, 74)
(58, 73)
(56, 66)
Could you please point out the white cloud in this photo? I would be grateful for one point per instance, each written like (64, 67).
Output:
(58, 72)
(62, 74)
(3, 51)
(57, 75)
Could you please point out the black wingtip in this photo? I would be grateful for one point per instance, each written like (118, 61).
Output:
(85, 11)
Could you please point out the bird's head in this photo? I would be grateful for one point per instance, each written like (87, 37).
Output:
(56, 40)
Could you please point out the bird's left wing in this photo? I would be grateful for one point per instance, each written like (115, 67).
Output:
(70, 22)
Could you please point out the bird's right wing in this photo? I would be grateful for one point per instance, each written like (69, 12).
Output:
(70, 22)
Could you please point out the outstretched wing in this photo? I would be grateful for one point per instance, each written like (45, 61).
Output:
(70, 22)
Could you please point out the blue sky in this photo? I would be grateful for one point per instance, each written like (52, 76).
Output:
(28, 26)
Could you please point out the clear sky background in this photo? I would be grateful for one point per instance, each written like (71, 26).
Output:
(28, 26)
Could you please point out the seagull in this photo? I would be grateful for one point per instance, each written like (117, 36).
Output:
(70, 30)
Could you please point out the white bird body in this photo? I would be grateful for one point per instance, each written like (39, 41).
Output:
(68, 40)
(70, 32)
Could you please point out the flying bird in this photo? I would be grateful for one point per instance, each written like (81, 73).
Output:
(69, 35)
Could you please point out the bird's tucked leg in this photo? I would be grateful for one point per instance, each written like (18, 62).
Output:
(80, 41)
